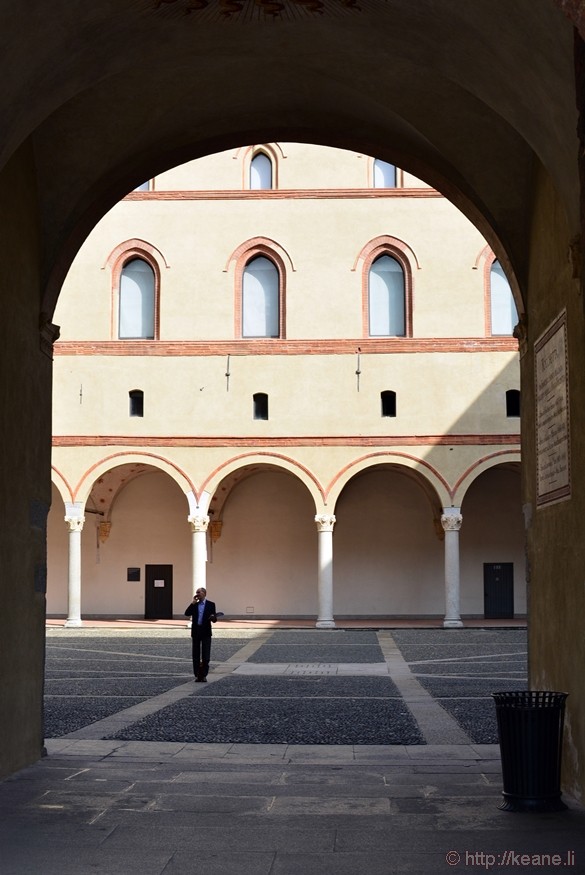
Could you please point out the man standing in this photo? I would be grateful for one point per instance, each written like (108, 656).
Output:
(202, 612)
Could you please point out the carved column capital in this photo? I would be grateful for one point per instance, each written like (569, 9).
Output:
(199, 522)
(325, 522)
(451, 522)
(75, 523)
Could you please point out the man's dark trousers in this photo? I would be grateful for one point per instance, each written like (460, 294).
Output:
(201, 651)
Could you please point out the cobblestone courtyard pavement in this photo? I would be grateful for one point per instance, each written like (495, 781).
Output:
(309, 752)
(408, 686)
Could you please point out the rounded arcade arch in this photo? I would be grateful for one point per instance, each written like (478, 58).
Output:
(507, 458)
(262, 550)
(140, 461)
(428, 478)
(389, 555)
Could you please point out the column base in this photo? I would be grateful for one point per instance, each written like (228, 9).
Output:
(73, 623)
(325, 624)
(452, 624)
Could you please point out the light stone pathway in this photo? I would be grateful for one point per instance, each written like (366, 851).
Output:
(436, 725)
(119, 721)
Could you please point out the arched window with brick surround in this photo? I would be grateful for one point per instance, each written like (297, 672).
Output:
(135, 267)
(260, 267)
(387, 265)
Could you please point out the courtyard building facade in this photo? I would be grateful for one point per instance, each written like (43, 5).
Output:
(288, 373)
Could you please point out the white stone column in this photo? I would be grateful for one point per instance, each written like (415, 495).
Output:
(199, 524)
(451, 521)
(325, 523)
(75, 521)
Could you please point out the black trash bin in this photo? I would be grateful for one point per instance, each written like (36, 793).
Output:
(530, 730)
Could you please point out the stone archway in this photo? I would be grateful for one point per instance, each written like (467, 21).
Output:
(95, 101)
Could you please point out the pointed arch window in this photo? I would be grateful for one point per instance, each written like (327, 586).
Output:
(261, 172)
(384, 174)
(503, 312)
(386, 298)
(261, 298)
(136, 301)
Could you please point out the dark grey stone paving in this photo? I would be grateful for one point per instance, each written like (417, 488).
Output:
(98, 687)
(475, 716)
(304, 687)
(65, 715)
(208, 719)
(322, 636)
(449, 637)
(93, 676)
(318, 653)
(461, 668)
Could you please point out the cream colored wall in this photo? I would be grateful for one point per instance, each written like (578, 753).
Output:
(57, 556)
(436, 393)
(321, 239)
(492, 531)
(299, 166)
(387, 558)
(266, 557)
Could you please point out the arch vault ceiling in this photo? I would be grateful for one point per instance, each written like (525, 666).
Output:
(470, 96)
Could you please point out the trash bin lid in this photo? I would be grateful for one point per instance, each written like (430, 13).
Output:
(530, 698)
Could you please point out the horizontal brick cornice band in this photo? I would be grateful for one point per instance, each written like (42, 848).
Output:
(379, 346)
(446, 440)
(285, 194)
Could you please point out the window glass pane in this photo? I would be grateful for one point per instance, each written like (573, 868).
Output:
(136, 300)
(260, 317)
(144, 186)
(386, 298)
(384, 174)
(504, 315)
(261, 172)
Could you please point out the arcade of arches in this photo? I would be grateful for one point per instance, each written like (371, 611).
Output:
(483, 100)
(263, 541)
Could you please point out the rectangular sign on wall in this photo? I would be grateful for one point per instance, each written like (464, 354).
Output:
(553, 450)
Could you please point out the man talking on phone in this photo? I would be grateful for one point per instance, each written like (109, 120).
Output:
(202, 612)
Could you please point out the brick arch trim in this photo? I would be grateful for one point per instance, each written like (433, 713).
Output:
(240, 258)
(117, 259)
(404, 255)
